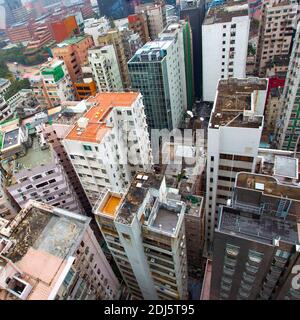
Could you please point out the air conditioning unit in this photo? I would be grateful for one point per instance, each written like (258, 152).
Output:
(171, 274)
(147, 249)
(152, 260)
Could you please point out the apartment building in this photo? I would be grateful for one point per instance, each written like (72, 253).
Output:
(48, 253)
(156, 17)
(234, 134)
(53, 84)
(272, 110)
(182, 31)
(109, 143)
(157, 71)
(131, 42)
(96, 27)
(74, 53)
(32, 170)
(288, 121)
(138, 23)
(60, 121)
(256, 244)
(40, 38)
(105, 68)
(113, 37)
(85, 89)
(145, 233)
(23, 103)
(225, 33)
(277, 24)
(4, 85)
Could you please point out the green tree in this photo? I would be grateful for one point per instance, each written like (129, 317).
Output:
(15, 87)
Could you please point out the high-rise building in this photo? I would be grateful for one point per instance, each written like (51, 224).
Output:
(194, 12)
(234, 134)
(131, 42)
(15, 12)
(32, 170)
(117, 9)
(156, 17)
(48, 253)
(54, 131)
(256, 245)
(276, 30)
(225, 33)
(113, 37)
(145, 233)
(157, 71)
(96, 27)
(288, 121)
(23, 103)
(138, 23)
(105, 68)
(74, 53)
(53, 84)
(109, 143)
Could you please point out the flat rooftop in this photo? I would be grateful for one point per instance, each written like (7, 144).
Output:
(54, 231)
(233, 98)
(71, 41)
(226, 12)
(11, 138)
(268, 185)
(111, 205)
(135, 196)
(102, 103)
(34, 157)
(166, 218)
(286, 167)
(261, 228)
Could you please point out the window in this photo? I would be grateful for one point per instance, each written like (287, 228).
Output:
(37, 177)
(87, 148)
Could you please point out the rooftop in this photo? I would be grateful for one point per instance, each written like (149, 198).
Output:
(286, 167)
(225, 13)
(153, 50)
(268, 185)
(3, 82)
(262, 228)
(102, 103)
(133, 200)
(71, 41)
(234, 97)
(44, 228)
(111, 205)
(35, 156)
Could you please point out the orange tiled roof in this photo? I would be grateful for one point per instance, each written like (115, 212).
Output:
(105, 102)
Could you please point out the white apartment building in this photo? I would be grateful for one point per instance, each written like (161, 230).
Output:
(234, 133)
(145, 233)
(288, 121)
(109, 143)
(53, 85)
(277, 26)
(105, 68)
(225, 33)
(96, 27)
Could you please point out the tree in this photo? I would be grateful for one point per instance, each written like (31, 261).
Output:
(15, 87)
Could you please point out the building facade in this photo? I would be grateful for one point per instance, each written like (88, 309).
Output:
(234, 134)
(113, 37)
(109, 143)
(276, 30)
(74, 53)
(257, 240)
(145, 233)
(225, 33)
(157, 71)
(288, 121)
(105, 68)
(73, 267)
